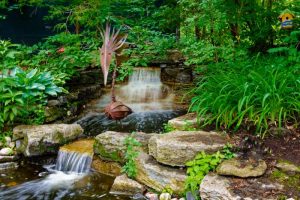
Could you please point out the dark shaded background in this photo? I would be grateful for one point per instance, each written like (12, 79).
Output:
(26, 26)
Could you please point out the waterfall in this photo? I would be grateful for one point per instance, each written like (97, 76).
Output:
(144, 91)
(144, 86)
(72, 165)
(73, 162)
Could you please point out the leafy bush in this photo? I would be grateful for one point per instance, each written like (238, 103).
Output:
(260, 92)
(23, 93)
(131, 153)
(201, 165)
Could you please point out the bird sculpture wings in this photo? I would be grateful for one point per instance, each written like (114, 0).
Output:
(111, 42)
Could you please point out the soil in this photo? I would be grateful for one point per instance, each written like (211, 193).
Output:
(279, 145)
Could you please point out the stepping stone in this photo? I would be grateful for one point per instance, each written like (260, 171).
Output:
(178, 147)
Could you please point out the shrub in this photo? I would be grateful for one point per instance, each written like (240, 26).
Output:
(23, 93)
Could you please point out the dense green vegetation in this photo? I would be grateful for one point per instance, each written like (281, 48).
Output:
(247, 67)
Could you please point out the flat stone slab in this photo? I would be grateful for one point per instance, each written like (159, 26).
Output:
(159, 177)
(242, 168)
(8, 165)
(184, 122)
(4, 159)
(178, 147)
(82, 146)
(109, 168)
(35, 140)
(215, 187)
(110, 145)
(125, 186)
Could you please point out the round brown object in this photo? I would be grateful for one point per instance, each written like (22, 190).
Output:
(117, 110)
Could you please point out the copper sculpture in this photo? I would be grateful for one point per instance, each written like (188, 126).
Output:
(115, 110)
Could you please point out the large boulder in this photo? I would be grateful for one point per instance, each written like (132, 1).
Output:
(178, 147)
(215, 187)
(125, 186)
(159, 177)
(38, 140)
(110, 145)
(242, 168)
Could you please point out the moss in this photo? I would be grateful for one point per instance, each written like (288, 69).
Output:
(289, 181)
(112, 156)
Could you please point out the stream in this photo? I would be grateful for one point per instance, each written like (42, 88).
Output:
(70, 176)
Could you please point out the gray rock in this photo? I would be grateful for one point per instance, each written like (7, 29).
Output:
(12, 145)
(7, 140)
(6, 151)
(110, 145)
(54, 113)
(215, 187)
(158, 177)
(242, 168)
(187, 121)
(37, 140)
(287, 167)
(151, 196)
(178, 147)
(165, 196)
(4, 159)
(126, 186)
(53, 103)
(8, 165)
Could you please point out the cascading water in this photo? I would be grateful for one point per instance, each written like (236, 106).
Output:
(73, 162)
(150, 100)
(70, 167)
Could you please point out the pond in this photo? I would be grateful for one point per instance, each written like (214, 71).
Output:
(69, 176)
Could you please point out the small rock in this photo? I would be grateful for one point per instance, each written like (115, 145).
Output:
(126, 186)
(7, 140)
(12, 145)
(187, 121)
(190, 196)
(6, 151)
(8, 158)
(287, 167)
(139, 196)
(165, 196)
(151, 196)
(242, 168)
(8, 165)
(52, 103)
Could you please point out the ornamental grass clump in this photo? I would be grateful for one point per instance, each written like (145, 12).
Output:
(260, 93)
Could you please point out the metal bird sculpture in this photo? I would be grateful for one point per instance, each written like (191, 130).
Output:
(115, 110)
